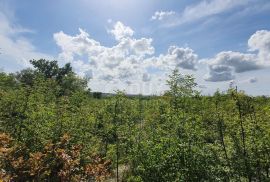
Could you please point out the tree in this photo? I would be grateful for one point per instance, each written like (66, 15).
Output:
(181, 85)
(50, 69)
(7, 81)
(64, 76)
(26, 76)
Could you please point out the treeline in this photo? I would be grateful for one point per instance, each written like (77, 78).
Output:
(52, 128)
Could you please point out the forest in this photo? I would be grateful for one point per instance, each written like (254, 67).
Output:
(54, 128)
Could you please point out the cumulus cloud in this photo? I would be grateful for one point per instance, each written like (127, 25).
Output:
(183, 57)
(260, 41)
(239, 61)
(127, 62)
(121, 31)
(225, 64)
(219, 73)
(122, 62)
(161, 15)
(176, 57)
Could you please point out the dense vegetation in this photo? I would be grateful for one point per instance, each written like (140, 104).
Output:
(52, 128)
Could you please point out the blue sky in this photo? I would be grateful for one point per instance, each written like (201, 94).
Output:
(133, 45)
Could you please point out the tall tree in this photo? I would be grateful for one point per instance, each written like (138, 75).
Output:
(181, 85)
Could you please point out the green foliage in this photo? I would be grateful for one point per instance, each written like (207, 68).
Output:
(7, 81)
(50, 69)
(181, 85)
(181, 136)
(97, 95)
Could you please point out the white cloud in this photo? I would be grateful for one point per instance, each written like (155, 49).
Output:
(15, 48)
(142, 46)
(240, 62)
(236, 62)
(88, 74)
(225, 64)
(121, 31)
(176, 57)
(146, 77)
(131, 63)
(161, 15)
(183, 57)
(199, 11)
(260, 41)
(126, 63)
(121, 62)
(209, 7)
(219, 73)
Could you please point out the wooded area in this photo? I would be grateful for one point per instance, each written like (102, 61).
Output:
(52, 128)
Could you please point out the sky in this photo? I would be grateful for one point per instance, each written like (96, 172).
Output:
(133, 45)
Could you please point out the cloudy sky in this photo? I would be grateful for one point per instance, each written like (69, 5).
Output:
(133, 45)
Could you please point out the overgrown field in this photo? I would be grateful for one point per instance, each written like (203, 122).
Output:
(53, 129)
